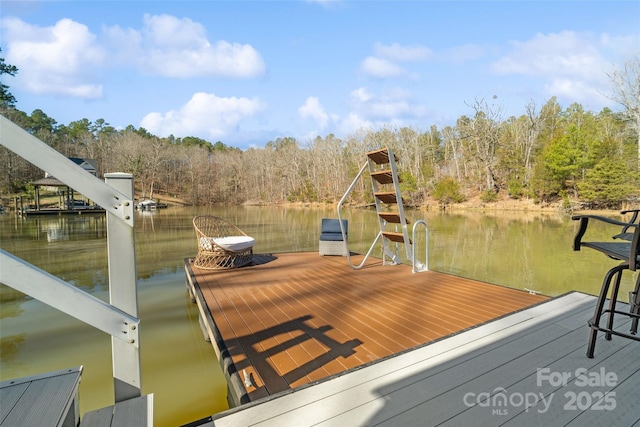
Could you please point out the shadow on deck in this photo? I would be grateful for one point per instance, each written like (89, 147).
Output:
(297, 318)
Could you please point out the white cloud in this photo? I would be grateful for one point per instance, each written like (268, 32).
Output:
(384, 64)
(573, 65)
(205, 115)
(60, 60)
(397, 52)
(368, 111)
(67, 58)
(564, 53)
(174, 47)
(381, 68)
(179, 48)
(124, 44)
(576, 91)
(393, 105)
(353, 123)
(312, 109)
(361, 95)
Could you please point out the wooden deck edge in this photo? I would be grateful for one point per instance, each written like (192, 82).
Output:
(236, 393)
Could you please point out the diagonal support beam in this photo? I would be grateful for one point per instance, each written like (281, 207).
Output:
(57, 293)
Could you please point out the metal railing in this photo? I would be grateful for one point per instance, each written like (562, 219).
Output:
(119, 318)
(416, 266)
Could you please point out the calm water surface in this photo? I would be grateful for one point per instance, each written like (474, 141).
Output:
(519, 250)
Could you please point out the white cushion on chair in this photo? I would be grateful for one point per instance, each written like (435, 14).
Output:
(235, 243)
(205, 243)
(230, 243)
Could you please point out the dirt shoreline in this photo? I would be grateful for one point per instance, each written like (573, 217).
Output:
(495, 208)
(470, 205)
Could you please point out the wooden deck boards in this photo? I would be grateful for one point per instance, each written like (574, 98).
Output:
(481, 377)
(296, 318)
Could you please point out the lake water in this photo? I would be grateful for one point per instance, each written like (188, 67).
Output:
(516, 249)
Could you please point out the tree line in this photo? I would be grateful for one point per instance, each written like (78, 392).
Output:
(547, 154)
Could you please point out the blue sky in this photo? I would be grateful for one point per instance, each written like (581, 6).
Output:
(247, 72)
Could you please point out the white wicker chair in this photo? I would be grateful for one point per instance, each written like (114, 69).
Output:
(221, 245)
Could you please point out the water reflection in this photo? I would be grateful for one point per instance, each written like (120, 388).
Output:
(9, 348)
(520, 250)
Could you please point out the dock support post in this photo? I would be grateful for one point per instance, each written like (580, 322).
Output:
(121, 250)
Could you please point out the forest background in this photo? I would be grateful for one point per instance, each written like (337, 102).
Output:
(565, 157)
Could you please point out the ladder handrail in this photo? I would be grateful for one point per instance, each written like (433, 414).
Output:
(418, 267)
(344, 234)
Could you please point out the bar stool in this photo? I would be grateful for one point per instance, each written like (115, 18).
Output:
(624, 247)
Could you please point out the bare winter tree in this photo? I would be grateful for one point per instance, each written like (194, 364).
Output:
(626, 92)
(482, 133)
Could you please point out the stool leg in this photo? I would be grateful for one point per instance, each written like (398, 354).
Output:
(634, 300)
(594, 323)
(613, 299)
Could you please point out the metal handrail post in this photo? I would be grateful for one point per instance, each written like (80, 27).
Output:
(418, 267)
(121, 252)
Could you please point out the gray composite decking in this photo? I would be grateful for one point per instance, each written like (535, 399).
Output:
(51, 399)
(42, 400)
(449, 381)
(135, 412)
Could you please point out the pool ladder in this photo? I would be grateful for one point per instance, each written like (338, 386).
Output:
(385, 181)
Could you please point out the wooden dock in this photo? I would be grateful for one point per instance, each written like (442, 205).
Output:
(292, 319)
(59, 212)
(526, 369)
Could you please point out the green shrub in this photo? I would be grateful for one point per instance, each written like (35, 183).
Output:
(447, 190)
(515, 189)
(489, 196)
(608, 184)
